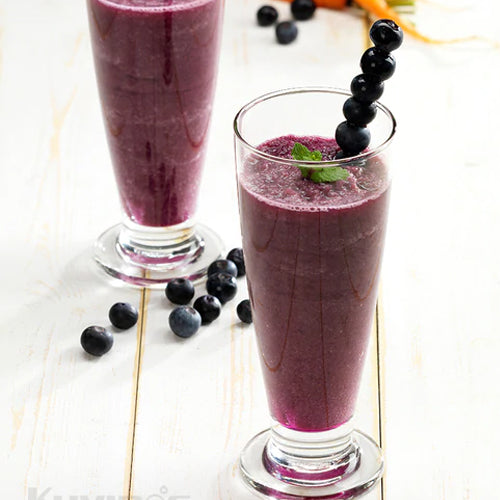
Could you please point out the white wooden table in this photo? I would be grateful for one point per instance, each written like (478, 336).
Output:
(157, 418)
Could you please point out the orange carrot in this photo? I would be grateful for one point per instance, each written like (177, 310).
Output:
(380, 9)
(331, 4)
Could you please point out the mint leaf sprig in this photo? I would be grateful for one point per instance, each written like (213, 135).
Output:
(317, 174)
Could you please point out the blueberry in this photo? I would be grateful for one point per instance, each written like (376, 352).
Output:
(223, 266)
(266, 15)
(209, 308)
(386, 34)
(123, 315)
(244, 311)
(184, 321)
(351, 138)
(286, 32)
(367, 88)
(379, 62)
(303, 9)
(180, 291)
(359, 113)
(223, 286)
(236, 256)
(96, 340)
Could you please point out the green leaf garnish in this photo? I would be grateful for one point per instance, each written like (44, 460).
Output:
(301, 153)
(327, 174)
(330, 174)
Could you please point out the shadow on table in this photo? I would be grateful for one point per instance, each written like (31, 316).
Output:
(230, 484)
(41, 332)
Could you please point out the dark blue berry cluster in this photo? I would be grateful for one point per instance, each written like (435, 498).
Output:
(97, 340)
(286, 31)
(184, 320)
(221, 287)
(377, 64)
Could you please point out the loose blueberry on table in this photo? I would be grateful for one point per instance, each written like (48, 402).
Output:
(377, 65)
(180, 291)
(123, 315)
(244, 311)
(236, 256)
(302, 10)
(223, 266)
(267, 15)
(223, 286)
(209, 308)
(286, 32)
(96, 340)
(184, 321)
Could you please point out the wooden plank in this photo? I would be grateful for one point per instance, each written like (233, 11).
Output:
(201, 400)
(65, 417)
(441, 283)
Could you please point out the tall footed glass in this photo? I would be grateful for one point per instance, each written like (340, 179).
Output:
(313, 253)
(156, 65)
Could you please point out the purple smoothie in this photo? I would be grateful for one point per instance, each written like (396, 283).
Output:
(156, 65)
(313, 254)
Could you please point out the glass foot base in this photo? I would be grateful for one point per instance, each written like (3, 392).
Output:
(363, 478)
(152, 267)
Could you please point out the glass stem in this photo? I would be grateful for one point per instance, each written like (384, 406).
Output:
(158, 245)
(311, 458)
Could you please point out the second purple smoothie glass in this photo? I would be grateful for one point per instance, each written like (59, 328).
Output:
(313, 253)
(156, 66)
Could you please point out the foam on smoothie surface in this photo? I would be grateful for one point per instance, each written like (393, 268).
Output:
(155, 4)
(284, 184)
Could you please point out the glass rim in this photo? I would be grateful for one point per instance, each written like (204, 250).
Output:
(308, 90)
